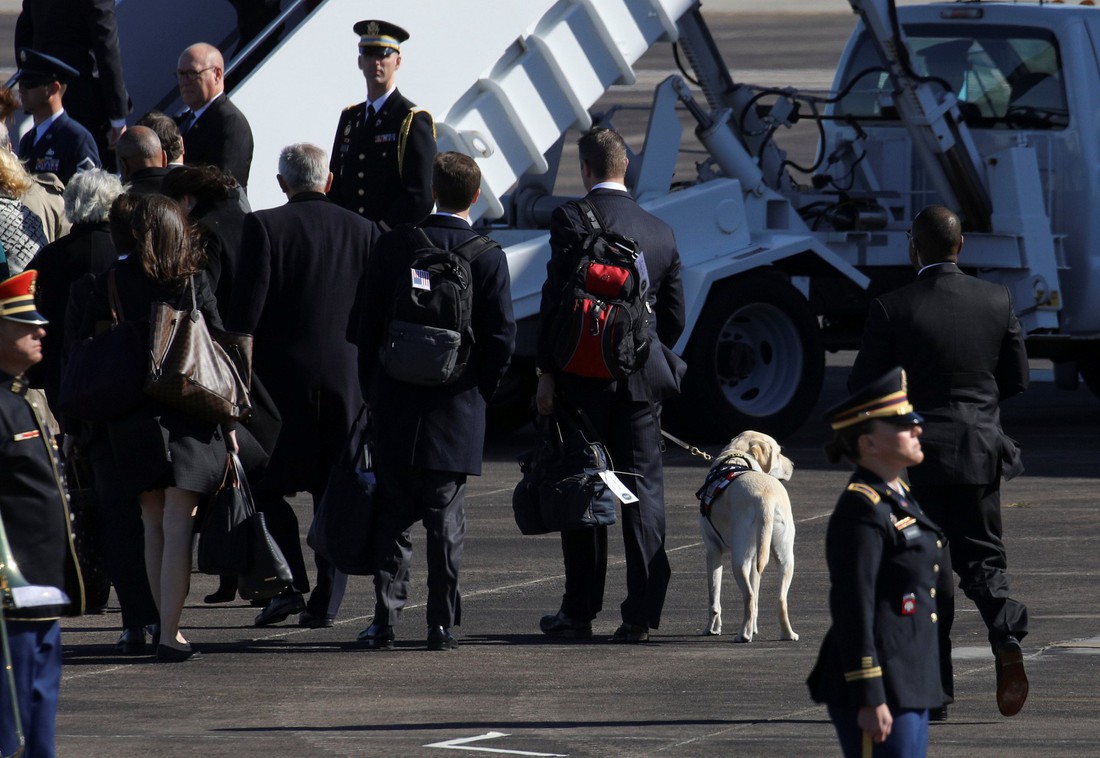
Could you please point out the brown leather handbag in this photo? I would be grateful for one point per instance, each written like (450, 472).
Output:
(203, 372)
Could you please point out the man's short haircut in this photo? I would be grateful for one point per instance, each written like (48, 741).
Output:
(456, 179)
(304, 167)
(938, 234)
(604, 150)
(140, 143)
(89, 196)
(167, 132)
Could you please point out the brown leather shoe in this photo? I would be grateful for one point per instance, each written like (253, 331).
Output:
(1011, 679)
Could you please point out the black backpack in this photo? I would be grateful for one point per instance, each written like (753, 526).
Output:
(602, 330)
(428, 334)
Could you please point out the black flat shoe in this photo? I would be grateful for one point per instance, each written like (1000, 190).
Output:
(167, 654)
(280, 608)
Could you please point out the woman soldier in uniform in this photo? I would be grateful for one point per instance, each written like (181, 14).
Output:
(878, 668)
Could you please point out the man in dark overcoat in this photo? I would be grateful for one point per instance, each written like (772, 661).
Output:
(299, 273)
(84, 34)
(429, 439)
(958, 339)
(625, 413)
(215, 132)
(382, 157)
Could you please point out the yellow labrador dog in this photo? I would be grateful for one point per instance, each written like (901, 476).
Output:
(746, 512)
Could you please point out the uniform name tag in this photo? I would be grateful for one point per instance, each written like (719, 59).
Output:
(909, 605)
(34, 434)
(385, 138)
(47, 165)
(421, 280)
(911, 533)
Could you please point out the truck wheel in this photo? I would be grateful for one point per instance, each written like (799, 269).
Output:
(755, 361)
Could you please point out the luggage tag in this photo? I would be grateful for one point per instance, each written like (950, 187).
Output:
(618, 489)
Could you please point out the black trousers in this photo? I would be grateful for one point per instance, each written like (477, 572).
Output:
(970, 515)
(327, 596)
(436, 499)
(633, 439)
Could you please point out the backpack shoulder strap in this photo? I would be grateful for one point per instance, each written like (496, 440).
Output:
(417, 239)
(590, 216)
(474, 247)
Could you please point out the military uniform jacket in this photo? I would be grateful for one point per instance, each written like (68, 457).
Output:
(961, 345)
(382, 170)
(437, 428)
(883, 556)
(34, 504)
(65, 148)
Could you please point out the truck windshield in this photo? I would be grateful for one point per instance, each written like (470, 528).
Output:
(1004, 76)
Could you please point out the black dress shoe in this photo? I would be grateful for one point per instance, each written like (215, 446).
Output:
(439, 638)
(1011, 679)
(630, 634)
(154, 634)
(376, 637)
(308, 620)
(166, 654)
(132, 641)
(938, 714)
(280, 608)
(560, 625)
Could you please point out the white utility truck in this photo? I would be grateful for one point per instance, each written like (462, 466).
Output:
(983, 106)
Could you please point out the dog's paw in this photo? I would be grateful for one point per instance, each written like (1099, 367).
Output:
(742, 638)
(793, 636)
(712, 632)
(714, 626)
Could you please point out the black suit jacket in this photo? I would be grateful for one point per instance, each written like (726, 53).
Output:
(370, 174)
(959, 341)
(148, 181)
(84, 34)
(220, 137)
(294, 290)
(621, 214)
(438, 428)
(883, 559)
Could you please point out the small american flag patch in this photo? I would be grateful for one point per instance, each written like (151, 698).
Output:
(421, 279)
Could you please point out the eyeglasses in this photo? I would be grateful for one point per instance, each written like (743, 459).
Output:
(193, 76)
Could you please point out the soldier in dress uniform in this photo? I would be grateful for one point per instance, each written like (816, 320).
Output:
(878, 668)
(34, 510)
(382, 156)
(57, 144)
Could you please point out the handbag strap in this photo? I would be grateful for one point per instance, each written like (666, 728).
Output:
(347, 455)
(113, 300)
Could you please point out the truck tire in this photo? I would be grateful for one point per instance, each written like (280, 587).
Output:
(755, 361)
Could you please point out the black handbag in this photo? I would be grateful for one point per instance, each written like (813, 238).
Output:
(223, 538)
(103, 374)
(84, 513)
(268, 573)
(193, 368)
(343, 521)
(561, 487)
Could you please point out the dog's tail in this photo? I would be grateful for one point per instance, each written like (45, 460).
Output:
(763, 547)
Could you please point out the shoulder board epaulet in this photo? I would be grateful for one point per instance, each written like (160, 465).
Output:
(351, 106)
(865, 490)
(403, 136)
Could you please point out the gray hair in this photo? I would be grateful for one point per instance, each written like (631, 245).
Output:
(89, 195)
(303, 167)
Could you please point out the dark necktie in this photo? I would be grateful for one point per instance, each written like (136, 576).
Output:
(187, 122)
(370, 115)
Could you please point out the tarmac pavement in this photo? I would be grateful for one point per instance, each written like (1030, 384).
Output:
(287, 691)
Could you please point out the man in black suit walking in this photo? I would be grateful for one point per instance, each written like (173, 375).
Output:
(382, 157)
(959, 340)
(624, 413)
(429, 439)
(215, 132)
(294, 291)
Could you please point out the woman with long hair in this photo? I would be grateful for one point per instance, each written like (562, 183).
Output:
(167, 458)
(21, 230)
(878, 670)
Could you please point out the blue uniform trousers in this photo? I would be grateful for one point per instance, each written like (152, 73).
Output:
(36, 664)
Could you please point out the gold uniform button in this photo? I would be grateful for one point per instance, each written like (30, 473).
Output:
(939, 543)
(360, 174)
(936, 568)
(362, 192)
(932, 592)
(935, 618)
(361, 210)
(362, 156)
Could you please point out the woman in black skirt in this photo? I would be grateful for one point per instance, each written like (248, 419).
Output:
(167, 458)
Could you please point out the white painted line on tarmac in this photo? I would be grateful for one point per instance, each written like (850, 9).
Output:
(463, 743)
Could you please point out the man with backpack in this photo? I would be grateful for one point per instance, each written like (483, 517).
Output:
(608, 315)
(436, 336)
